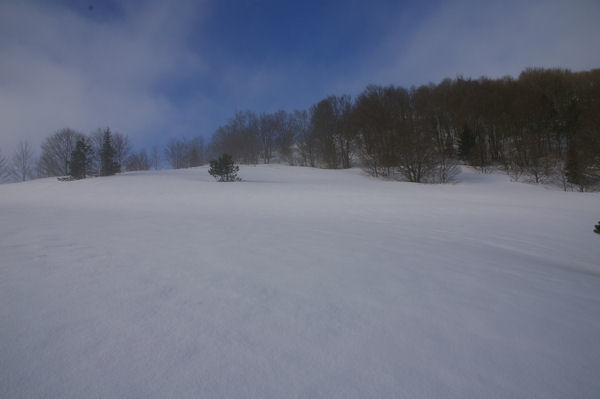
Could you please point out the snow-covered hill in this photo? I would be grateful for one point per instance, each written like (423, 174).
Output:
(299, 283)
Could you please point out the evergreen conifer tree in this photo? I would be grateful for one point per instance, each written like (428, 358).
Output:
(224, 169)
(108, 166)
(597, 228)
(80, 159)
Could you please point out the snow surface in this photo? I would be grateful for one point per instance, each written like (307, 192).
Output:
(297, 283)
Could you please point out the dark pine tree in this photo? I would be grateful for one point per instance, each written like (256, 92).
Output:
(108, 166)
(80, 159)
(597, 228)
(224, 169)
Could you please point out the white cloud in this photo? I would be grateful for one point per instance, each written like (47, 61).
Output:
(475, 38)
(62, 68)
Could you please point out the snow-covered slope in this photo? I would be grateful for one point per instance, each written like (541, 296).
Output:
(297, 283)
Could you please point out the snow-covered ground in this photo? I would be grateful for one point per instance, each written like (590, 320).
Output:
(297, 283)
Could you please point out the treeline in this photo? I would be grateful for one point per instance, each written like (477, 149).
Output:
(543, 126)
(250, 138)
(71, 154)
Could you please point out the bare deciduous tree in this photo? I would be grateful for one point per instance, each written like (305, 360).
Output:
(3, 168)
(56, 153)
(332, 130)
(184, 153)
(23, 163)
(96, 140)
(155, 158)
(285, 138)
(122, 147)
(267, 133)
(379, 114)
(239, 137)
(323, 127)
(138, 161)
(175, 153)
(300, 126)
(194, 152)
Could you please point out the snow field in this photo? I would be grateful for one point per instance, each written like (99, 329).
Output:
(297, 282)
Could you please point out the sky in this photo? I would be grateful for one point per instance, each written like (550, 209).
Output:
(158, 69)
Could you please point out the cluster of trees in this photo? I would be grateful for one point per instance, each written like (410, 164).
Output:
(185, 153)
(103, 159)
(20, 167)
(70, 153)
(251, 138)
(543, 126)
(102, 153)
